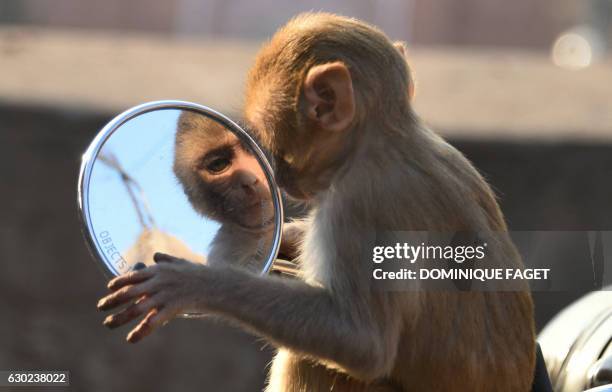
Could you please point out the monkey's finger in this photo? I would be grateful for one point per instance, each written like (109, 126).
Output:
(138, 266)
(154, 319)
(126, 294)
(131, 278)
(159, 257)
(144, 305)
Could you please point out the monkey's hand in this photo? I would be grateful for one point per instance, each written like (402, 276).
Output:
(160, 292)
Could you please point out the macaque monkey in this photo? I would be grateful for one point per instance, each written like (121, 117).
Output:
(224, 181)
(330, 97)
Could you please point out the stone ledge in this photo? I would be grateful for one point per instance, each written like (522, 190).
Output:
(463, 93)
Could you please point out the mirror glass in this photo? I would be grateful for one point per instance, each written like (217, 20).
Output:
(181, 179)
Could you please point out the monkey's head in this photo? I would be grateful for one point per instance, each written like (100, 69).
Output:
(222, 179)
(316, 88)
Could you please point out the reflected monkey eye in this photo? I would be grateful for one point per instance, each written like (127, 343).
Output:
(218, 160)
(218, 165)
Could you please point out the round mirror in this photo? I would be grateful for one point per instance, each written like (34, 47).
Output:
(182, 179)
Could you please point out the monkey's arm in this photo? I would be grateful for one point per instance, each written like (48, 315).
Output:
(309, 320)
(293, 235)
(236, 249)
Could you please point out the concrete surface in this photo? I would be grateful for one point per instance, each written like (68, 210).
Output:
(467, 93)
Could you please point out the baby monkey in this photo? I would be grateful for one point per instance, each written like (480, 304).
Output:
(224, 181)
(330, 97)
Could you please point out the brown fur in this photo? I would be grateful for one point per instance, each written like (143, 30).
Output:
(334, 330)
(241, 240)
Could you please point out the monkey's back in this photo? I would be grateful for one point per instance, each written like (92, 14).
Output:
(465, 340)
(451, 340)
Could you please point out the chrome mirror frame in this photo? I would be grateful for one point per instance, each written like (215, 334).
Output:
(89, 157)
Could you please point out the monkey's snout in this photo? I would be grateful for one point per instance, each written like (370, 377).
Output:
(244, 181)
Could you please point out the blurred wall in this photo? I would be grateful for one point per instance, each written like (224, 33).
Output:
(529, 23)
(533, 23)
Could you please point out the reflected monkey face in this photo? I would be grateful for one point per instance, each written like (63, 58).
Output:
(235, 182)
(221, 177)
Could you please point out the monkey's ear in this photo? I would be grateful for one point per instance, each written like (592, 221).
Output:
(329, 98)
(401, 47)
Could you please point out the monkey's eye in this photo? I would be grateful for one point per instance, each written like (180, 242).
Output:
(218, 165)
(217, 160)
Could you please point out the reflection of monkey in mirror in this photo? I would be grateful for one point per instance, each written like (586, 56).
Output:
(330, 97)
(224, 181)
